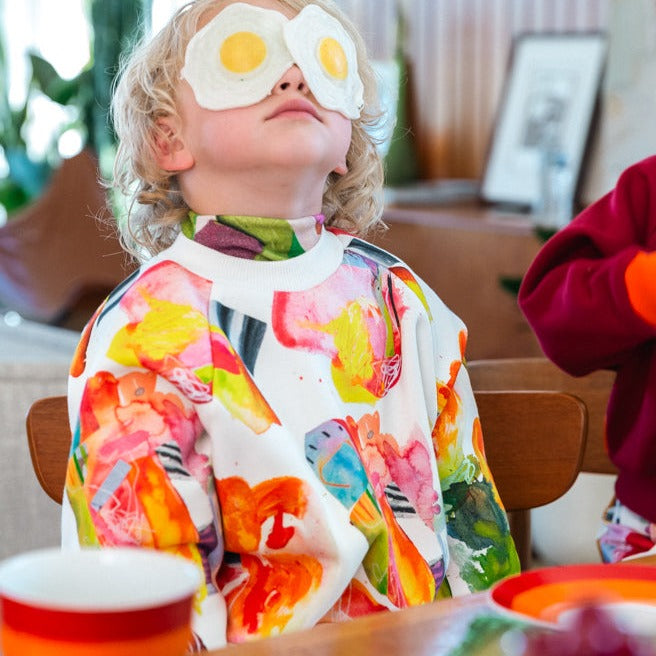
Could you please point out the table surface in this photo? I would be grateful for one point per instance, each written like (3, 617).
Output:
(431, 630)
(420, 631)
(641, 560)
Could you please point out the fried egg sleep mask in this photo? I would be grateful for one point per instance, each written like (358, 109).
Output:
(236, 59)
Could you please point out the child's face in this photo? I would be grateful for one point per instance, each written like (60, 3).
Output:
(287, 135)
(236, 57)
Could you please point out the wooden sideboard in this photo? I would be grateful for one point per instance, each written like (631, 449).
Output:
(461, 251)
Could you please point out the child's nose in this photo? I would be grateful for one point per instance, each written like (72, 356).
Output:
(292, 80)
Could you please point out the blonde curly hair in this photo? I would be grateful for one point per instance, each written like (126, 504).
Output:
(146, 92)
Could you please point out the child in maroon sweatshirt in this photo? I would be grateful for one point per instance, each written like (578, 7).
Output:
(590, 297)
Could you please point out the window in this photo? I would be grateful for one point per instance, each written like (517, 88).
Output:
(162, 10)
(59, 32)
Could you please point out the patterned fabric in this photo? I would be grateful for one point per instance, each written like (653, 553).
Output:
(254, 237)
(303, 429)
(624, 533)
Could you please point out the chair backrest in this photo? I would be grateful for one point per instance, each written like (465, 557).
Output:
(49, 439)
(541, 374)
(534, 443)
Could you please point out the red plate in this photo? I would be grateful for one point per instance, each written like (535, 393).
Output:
(543, 594)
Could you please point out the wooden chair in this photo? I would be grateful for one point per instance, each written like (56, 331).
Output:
(539, 373)
(534, 443)
(49, 439)
(542, 374)
(57, 263)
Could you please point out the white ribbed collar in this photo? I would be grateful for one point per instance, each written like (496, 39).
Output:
(301, 272)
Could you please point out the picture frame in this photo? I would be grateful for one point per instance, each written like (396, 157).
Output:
(550, 100)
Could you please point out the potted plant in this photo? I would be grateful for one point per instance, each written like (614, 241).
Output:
(54, 256)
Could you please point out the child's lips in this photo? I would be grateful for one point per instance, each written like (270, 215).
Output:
(295, 107)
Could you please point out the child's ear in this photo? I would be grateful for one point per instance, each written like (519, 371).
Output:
(341, 168)
(170, 150)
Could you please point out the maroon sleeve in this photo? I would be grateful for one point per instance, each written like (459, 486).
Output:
(574, 293)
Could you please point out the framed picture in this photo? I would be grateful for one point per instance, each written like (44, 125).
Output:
(550, 99)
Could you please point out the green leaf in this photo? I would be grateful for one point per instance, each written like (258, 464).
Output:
(511, 284)
(43, 72)
(51, 83)
(12, 196)
(544, 234)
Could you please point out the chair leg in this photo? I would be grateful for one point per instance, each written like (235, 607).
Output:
(520, 529)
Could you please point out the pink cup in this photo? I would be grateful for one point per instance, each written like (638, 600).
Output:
(105, 602)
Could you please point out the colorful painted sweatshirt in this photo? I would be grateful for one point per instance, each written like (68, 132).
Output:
(590, 296)
(303, 429)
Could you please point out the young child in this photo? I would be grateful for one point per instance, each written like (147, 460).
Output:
(590, 298)
(270, 395)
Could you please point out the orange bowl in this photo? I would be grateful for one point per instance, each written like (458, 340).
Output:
(545, 594)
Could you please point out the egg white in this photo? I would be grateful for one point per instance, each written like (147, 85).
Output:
(303, 34)
(213, 85)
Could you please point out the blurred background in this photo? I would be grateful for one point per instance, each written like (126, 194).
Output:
(455, 52)
(442, 65)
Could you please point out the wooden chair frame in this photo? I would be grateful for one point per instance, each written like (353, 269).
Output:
(49, 440)
(541, 374)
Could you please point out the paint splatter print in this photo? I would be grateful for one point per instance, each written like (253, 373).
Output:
(296, 421)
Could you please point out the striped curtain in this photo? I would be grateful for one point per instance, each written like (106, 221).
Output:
(458, 51)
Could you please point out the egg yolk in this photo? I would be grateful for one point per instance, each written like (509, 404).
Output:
(243, 52)
(333, 58)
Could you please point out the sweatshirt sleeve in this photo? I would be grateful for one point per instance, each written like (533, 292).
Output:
(139, 472)
(584, 295)
(481, 549)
